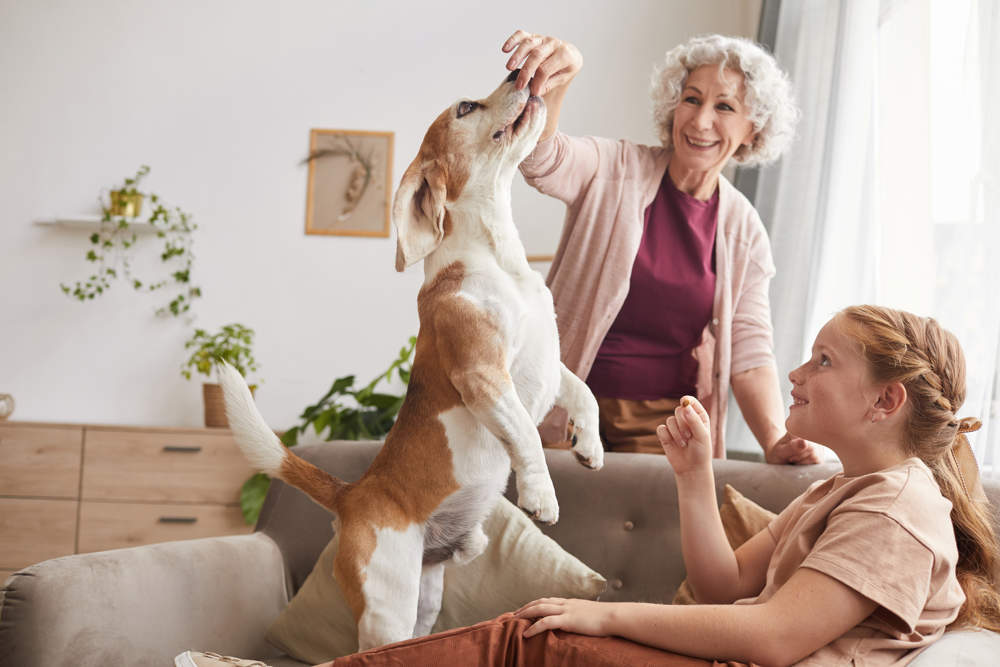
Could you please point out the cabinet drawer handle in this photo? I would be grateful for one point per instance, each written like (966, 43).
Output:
(181, 448)
(178, 519)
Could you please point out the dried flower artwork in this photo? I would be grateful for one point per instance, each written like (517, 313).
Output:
(349, 182)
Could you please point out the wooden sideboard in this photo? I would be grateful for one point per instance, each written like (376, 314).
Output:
(76, 488)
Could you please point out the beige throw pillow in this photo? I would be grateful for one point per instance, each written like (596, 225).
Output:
(742, 518)
(519, 565)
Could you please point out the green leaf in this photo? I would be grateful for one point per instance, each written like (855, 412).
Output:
(380, 401)
(342, 384)
(252, 497)
(290, 438)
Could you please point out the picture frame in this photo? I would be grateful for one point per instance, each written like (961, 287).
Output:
(350, 183)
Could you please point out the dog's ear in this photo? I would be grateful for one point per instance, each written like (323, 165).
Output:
(418, 212)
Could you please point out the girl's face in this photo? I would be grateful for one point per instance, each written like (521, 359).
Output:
(833, 392)
(711, 122)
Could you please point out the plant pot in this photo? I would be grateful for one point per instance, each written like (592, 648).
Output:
(125, 204)
(215, 405)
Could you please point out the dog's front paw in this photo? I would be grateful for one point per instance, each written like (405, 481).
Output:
(537, 497)
(586, 445)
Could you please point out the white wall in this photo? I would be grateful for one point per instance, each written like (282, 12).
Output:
(218, 97)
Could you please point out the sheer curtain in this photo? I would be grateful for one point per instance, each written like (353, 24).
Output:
(891, 194)
(818, 199)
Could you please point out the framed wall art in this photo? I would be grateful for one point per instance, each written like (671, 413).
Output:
(350, 174)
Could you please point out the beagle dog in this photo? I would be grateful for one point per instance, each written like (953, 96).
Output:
(486, 370)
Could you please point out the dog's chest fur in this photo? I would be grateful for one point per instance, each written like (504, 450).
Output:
(512, 313)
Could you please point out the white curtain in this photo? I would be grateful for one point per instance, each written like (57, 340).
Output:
(891, 193)
(818, 199)
(967, 229)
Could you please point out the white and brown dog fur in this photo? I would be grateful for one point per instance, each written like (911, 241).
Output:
(486, 370)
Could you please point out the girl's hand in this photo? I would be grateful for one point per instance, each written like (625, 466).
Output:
(584, 617)
(686, 438)
(545, 62)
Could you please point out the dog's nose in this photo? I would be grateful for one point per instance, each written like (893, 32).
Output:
(513, 75)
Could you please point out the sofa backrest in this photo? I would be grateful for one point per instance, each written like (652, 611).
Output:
(621, 520)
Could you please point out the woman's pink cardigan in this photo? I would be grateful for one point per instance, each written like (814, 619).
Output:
(607, 186)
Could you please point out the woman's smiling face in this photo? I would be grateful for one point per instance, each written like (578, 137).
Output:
(833, 391)
(711, 122)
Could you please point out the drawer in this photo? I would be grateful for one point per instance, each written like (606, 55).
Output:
(40, 461)
(162, 466)
(116, 525)
(33, 530)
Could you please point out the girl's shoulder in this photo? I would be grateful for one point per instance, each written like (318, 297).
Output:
(905, 493)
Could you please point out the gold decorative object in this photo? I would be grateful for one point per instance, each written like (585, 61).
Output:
(128, 204)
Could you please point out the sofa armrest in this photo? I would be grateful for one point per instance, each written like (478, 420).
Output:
(144, 605)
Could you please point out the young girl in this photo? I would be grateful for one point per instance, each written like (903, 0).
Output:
(863, 568)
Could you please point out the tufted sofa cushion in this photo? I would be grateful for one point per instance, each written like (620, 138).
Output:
(613, 519)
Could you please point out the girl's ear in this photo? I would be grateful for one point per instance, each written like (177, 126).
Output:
(889, 401)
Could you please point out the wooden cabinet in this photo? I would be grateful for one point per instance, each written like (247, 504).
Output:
(78, 488)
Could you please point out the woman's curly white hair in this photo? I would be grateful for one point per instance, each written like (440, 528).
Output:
(769, 97)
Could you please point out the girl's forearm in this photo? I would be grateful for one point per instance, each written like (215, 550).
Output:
(712, 569)
(713, 632)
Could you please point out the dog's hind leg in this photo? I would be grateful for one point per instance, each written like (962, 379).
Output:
(576, 398)
(475, 544)
(429, 604)
(391, 587)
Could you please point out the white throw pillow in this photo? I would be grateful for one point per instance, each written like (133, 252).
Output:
(520, 564)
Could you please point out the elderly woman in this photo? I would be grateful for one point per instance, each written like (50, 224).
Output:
(661, 277)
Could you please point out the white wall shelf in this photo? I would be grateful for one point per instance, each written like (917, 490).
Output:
(90, 223)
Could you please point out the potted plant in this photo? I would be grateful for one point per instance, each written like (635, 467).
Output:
(116, 243)
(232, 343)
(127, 200)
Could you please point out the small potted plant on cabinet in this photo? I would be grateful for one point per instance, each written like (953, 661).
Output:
(232, 343)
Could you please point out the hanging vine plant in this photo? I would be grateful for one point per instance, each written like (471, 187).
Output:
(113, 247)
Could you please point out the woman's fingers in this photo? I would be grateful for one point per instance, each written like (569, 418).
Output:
(514, 40)
(530, 67)
(524, 46)
(807, 456)
(538, 65)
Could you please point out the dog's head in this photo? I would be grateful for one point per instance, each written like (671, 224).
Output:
(469, 151)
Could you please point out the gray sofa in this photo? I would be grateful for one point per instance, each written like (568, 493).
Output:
(142, 606)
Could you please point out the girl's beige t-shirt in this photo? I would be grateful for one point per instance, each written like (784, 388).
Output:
(887, 535)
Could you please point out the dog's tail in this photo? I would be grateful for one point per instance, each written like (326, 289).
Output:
(265, 451)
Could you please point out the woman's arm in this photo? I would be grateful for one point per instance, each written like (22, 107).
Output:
(758, 394)
(808, 612)
(715, 572)
(547, 65)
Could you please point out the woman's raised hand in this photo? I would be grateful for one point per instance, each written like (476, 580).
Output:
(686, 438)
(546, 63)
